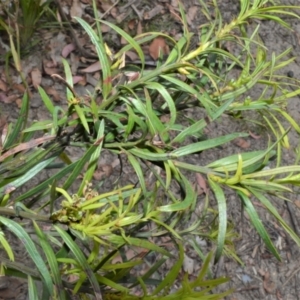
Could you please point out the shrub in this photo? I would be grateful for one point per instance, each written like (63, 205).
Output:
(91, 229)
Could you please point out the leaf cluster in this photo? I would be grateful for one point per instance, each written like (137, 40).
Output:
(136, 114)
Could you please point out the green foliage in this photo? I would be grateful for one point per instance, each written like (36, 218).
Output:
(20, 17)
(90, 229)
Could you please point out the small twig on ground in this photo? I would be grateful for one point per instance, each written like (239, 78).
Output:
(139, 13)
(292, 217)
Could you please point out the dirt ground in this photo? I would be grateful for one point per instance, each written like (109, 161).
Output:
(262, 276)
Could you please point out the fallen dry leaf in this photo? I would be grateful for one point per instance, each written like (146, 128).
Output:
(242, 143)
(105, 28)
(190, 16)
(132, 55)
(103, 171)
(132, 24)
(96, 66)
(132, 76)
(50, 68)
(8, 99)
(52, 92)
(114, 13)
(36, 77)
(77, 79)
(297, 203)
(19, 87)
(188, 264)
(123, 41)
(3, 86)
(268, 285)
(201, 183)
(68, 49)
(74, 63)
(254, 136)
(76, 9)
(158, 9)
(19, 102)
(157, 46)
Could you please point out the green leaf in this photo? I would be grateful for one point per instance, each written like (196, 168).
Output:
(105, 64)
(27, 176)
(45, 184)
(129, 39)
(47, 101)
(203, 145)
(81, 260)
(188, 201)
(79, 166)
(32, 290)
(6, 246)
(21, 122)
(259, 195)
(51, 259)
(88, 175)
(32, 251)
(256, 222)
(222, 209)
(170, 278)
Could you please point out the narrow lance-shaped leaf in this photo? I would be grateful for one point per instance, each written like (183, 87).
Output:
(222, 209)
(25, 239)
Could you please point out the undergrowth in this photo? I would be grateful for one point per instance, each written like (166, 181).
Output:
(78, 237)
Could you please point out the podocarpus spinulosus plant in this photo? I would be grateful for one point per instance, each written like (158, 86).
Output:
(92, 228)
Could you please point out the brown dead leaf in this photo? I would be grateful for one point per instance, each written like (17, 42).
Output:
(123, 41)
(268, 284)
(157, 46)
(201, 183)
(76, 9)
(19, 102)
(254, 136)
(105, 28)
(132, 55)
(297, 203)
(3, 86)
(132, 76)
(158, 9)
(8, 99)
(279, 295)
(114, 12)
(36, 77)
(19, 87)
(106, 5)
(165, 118)
(74, 63)
(174, 12)
(68, 49)
(190, 16)
(78, 79)
(52, 92)
(242, 143)
(96, 66)
(13, 288)
(132, 24)
(50, 68)
(103, 171)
